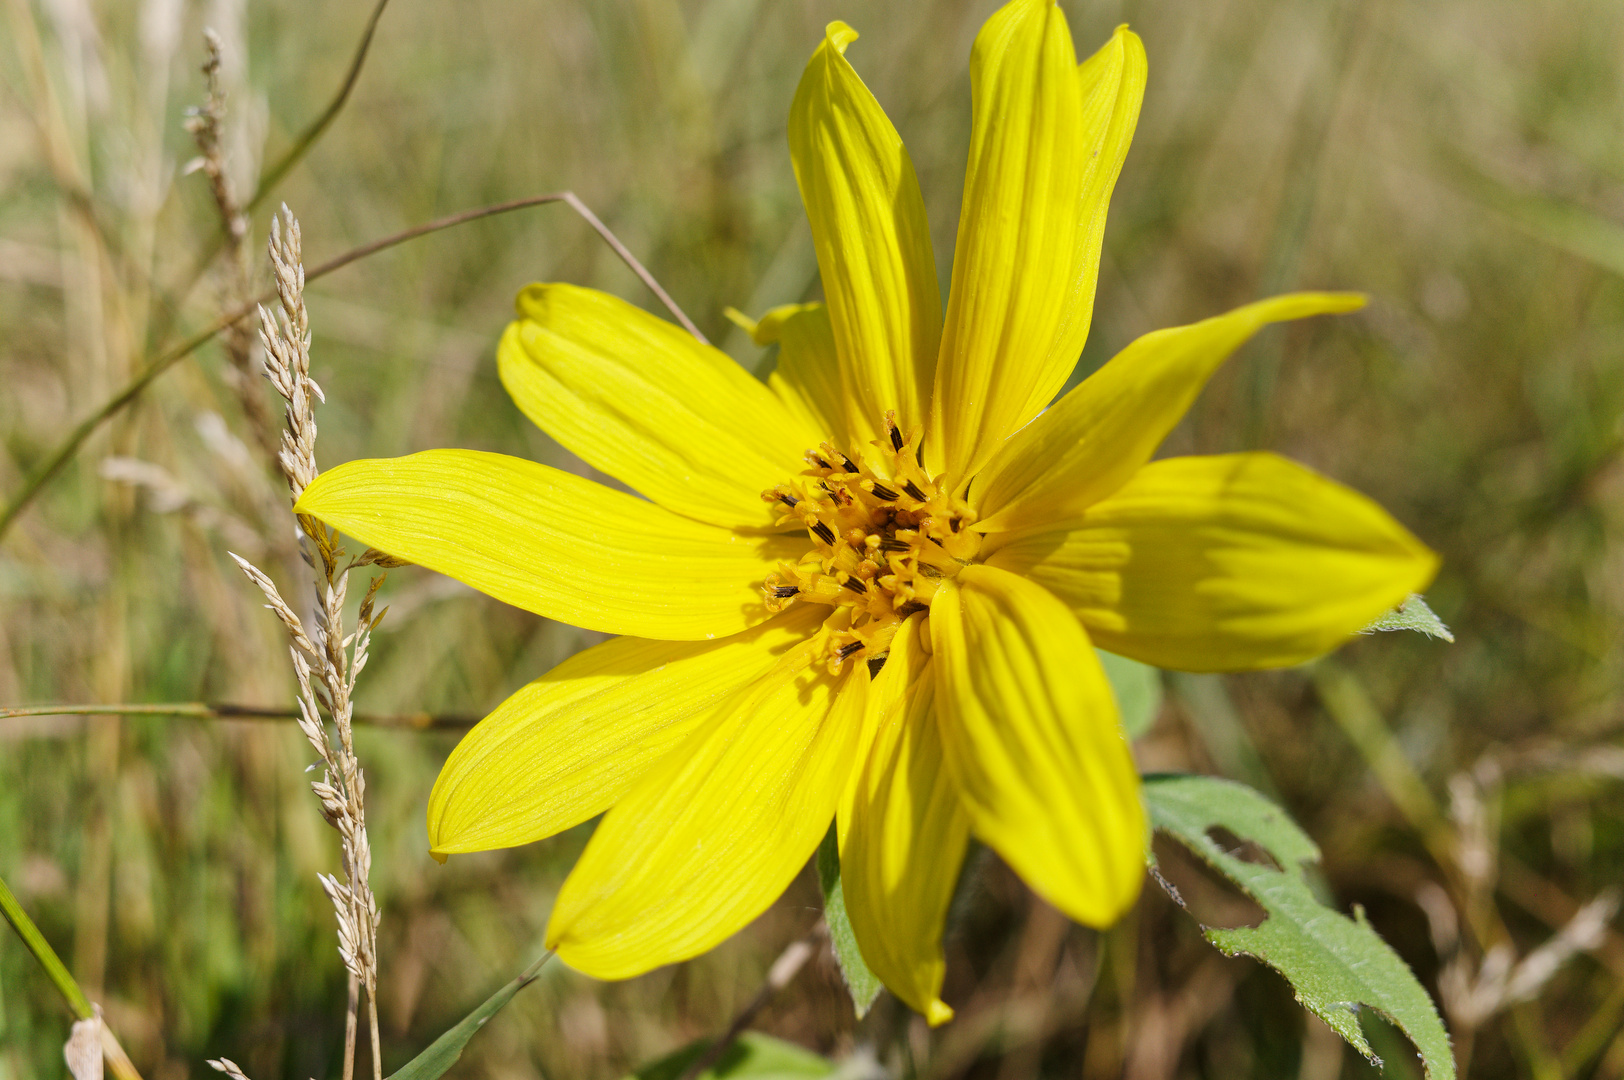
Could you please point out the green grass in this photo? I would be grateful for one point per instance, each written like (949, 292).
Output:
(1448, 158)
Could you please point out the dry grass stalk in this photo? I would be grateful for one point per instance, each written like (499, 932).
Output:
(205, 123)
(227, 1066)
(326, 660)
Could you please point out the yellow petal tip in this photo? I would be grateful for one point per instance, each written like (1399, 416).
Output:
(770, 327)
(438, 856)
(741, 320)
(938, 1012)
(838, 35)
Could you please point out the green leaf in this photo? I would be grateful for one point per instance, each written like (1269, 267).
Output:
(860, 981)
(1413, 614)
(1138, 689)
(753, 1056)
(1334, 963)
(444, 1051)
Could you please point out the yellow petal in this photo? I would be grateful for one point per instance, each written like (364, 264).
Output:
(567, 747)
(1032, 737)
(903, 833)
(553, 543)
(1099, 434)
(1227, 563)
(872, 239)
(807, 377)
(642, 400)
(715, 832)
(1046, 146)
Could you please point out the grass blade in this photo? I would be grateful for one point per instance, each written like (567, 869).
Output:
(443, 1052)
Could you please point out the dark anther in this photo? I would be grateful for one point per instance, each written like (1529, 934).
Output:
(896, 437)
(912, 607)
(913, 489)
(819, 462)
(855, 585)
(953, 523)
(883, 492)
(824, 533)
(789, 501)
(782, 591)
(848, 648)
(875, 663)
(891, 543)
(848, 464)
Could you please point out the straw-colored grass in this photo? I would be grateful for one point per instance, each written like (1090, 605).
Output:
(1458, 159)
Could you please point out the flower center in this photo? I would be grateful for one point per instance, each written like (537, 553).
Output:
(884, 535)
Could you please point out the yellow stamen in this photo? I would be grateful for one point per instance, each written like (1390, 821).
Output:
(883, 535)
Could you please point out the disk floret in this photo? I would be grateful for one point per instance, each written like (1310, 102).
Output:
(884, 534)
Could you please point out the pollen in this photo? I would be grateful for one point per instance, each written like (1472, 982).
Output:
(884, 534)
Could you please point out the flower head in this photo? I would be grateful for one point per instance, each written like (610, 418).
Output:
(868, 589)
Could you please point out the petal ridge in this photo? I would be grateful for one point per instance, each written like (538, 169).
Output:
(872, 238)
(1033, 739)
(553, 543)
(711, 836)
(1226, 563)
(567, 746)
(1047, 142)
(644, 401)
(1097, 436)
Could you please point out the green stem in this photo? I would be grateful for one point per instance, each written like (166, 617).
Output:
(273, 175)
(36, 943)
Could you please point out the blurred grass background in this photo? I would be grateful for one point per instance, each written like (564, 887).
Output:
(1460, 160)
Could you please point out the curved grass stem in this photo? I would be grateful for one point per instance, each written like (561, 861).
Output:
(58, 458)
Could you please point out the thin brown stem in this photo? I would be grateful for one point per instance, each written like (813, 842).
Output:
(59, 458)
(197, 710)
(349, 1027)
(784, 969)
(631, 260)
(372, 1021)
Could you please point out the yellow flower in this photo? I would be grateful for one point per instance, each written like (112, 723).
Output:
(892, 629)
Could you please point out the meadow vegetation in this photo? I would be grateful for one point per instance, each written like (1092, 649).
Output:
(1456, 159)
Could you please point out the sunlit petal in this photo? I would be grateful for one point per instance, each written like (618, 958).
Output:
(872, 239)
(903, 833)
(643, 400)
(1226, 563)
(1031, 733)
(807, 376)
(717, 830)
(1047, 143)
(567, 746)
(1099, 434)
(553, 543)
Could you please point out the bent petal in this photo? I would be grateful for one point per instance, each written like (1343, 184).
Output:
(647, 403)
(903, 833)
(1032, 737)
(872, 238)
(553, 543)
(1226, 563)
(807, 377)
(568, 746)
(1099, 434)
(714, 833)
(1046, 145)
